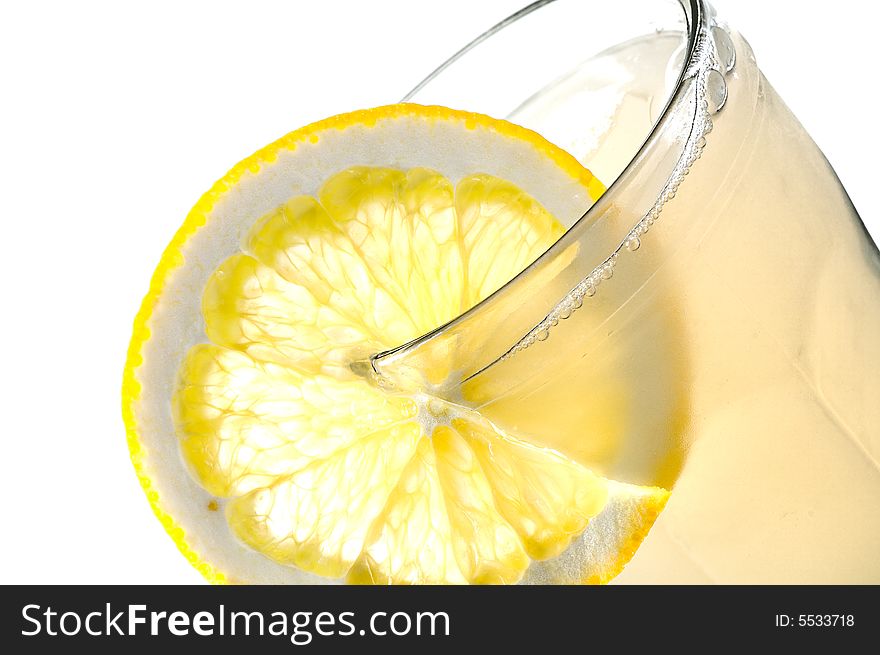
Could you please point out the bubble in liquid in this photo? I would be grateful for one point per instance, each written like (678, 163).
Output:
(577, 303)
(633, 244)
(565, 312)
(590, 291)
(607, 273)
(542, 335)
(725, 49)
(716, 91)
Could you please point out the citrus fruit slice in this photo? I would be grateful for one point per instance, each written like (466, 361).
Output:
(262, 448)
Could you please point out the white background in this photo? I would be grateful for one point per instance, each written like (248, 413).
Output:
(116, 116)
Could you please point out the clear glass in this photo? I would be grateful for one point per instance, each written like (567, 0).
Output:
(730, 351)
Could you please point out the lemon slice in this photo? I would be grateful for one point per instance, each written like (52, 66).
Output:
(269, 457)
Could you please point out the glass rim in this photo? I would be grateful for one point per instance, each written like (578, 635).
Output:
(694, 11)
(696, 15)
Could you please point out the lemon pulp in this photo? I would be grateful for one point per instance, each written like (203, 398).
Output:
(320, 470)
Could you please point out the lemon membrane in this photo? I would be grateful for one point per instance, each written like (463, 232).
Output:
(341, 240)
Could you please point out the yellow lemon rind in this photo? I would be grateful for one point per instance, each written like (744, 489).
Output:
(172, 258)
(650, 509)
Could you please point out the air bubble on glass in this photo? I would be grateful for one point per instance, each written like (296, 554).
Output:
(724, 47)
(716, 91)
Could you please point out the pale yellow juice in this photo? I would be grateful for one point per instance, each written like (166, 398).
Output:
(734, 356)
(777, 285)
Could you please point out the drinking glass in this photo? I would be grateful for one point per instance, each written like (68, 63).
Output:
(711, 324)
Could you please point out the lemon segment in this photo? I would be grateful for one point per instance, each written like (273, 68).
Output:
(547, 498)
(412, 544)
(610, 540)
(247, 306)
(404, 227)
(486, 546)
(243, 423)
(503, 230)
(318, 518)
